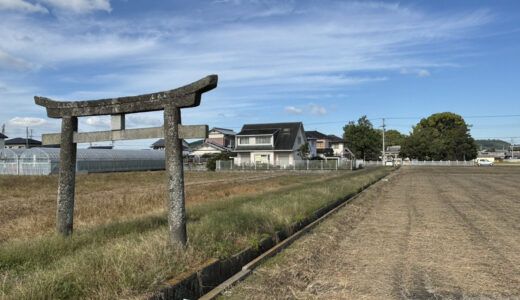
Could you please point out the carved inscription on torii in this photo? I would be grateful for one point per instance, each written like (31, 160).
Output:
(173, 132)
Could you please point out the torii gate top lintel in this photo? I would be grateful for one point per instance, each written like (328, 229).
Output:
(183, 97)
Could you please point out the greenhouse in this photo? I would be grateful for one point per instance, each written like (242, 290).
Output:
(9, 161)
(45, 161)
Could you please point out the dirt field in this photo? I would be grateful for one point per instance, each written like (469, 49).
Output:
(426, 233)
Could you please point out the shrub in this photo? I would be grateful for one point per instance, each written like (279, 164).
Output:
(211, 164)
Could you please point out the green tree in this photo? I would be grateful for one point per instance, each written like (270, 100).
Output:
(442, 136)
(303, 151)
(362, 139)
(394, 137)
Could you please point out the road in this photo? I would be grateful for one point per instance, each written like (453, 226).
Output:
(426, 233)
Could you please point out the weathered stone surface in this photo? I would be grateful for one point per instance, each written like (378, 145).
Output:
(185, 132)
(186, 96)
(175, 176)
(117, 122)
(65, 202)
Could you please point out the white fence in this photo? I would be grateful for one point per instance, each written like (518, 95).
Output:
(439, 163)
(310, 165)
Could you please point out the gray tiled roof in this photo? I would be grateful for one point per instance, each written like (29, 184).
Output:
(335, 139)
(22, 141)
(315, 135)
(223, 131)
(2, 136)
(284, 135)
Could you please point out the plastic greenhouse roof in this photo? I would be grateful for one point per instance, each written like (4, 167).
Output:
(53, 154)
(7, 152)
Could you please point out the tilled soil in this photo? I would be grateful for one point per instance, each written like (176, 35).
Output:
(426, 233)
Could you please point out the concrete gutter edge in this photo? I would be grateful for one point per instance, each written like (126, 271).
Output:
(248, 268)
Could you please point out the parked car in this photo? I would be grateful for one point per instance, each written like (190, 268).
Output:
(484, 162)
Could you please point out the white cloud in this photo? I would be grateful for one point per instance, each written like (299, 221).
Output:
(293, 110)
(145, 119)
(311, 109)
(17, 126)
(423, 73)
(419, 72)
(21, 5)
(27, 122)
(99, 122)
(317, 110)
(79, 6)
(11, 62)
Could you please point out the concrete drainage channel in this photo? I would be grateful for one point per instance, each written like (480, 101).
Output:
(212, 278)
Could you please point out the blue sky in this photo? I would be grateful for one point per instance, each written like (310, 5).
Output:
(320, 62)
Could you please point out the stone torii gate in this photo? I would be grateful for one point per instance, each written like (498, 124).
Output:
(173, 132)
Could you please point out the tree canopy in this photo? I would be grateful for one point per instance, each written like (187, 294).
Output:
(362, 139)
(492, 144)
(441, 136)
(394, 137)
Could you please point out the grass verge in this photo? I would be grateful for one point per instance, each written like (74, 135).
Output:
(131, 259)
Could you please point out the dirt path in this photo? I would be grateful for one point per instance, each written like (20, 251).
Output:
(427, 233)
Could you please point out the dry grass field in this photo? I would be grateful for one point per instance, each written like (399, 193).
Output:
(119, 248)
(427, 233)
(29, 202)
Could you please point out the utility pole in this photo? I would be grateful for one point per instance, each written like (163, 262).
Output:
(512, 149)
(383, 157)
(3, 128)
(26, 137)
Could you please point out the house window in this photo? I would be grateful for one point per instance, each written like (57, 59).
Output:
(299, 140)
(243, 140)
(263, 140)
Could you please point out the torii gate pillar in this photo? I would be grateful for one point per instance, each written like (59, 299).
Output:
(173, 132)
(175, 175)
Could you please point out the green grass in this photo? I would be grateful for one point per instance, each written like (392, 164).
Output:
(132, 258)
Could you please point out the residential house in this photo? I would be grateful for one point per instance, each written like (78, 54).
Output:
(339, 146)
(159, 145)
(392, 153)
(219, 140)
(497, 155)
(2, 140)
(209, 148)
(323, 147)
(222, 136)
(21, 143)
(274, 143)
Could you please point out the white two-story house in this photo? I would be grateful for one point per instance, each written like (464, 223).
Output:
(274, 143)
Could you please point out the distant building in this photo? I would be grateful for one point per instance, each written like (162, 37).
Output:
(21, 143)
(222, 137)
(497, 155)
(273, 143)
(2, 140)
(392, 153)
(159, 145)
(219, 140)
(208, 148)
(321, 142)
(339, 146)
